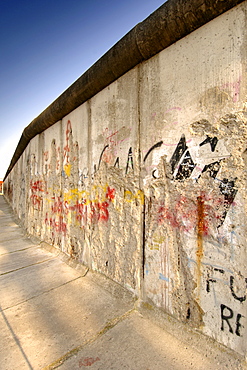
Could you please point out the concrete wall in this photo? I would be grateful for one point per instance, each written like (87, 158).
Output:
(145, 182)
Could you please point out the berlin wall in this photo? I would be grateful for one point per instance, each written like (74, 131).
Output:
(145, 180)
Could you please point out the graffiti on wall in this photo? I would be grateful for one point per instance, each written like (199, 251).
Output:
(182, 166)
(80, 204)
(183, 214)
(230, 319)
(76, 204)
(213, 211)
(37, 189)
(195, 201)
(199, 214)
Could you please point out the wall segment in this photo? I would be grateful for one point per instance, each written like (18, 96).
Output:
(145, 180)
(172, 21)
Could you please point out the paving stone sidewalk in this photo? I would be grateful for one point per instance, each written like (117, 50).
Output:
(55, 316)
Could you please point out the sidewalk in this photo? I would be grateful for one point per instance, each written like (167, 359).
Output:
(55, 316)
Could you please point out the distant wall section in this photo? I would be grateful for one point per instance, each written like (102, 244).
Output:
(146, 181)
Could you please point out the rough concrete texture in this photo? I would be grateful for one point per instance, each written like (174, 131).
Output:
(172, 21)
(146, 181)
(52, 316)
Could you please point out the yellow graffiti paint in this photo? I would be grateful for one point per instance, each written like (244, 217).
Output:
(67, 169)
(131, 197)
(102, 187)
(98, 194)
(74, 195)
(156, 242)
(69, 219)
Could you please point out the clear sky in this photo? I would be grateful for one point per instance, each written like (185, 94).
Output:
(45, 45)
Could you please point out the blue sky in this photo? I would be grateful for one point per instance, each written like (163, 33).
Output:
(46, 45)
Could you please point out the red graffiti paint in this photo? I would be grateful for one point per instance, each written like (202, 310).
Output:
(88, 361)
(58, 158)
(60, 206)
(186, 212)
(61, 226)
(67, 147)
(80, 210)
(83, 211)
(57, 225)
(36, 200)
(110, 193)
(46, 218)
(99, 212)
(46, 156)
(165, 214)
(103, 211)
(37, 186)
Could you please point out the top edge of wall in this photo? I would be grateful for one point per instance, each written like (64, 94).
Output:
(171, 22)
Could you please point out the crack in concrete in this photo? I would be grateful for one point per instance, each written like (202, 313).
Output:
(21, 235)
(56, 364)
(44, 292)
(19, 250)
(24, 267)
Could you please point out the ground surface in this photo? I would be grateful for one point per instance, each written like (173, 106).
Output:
(55, 316)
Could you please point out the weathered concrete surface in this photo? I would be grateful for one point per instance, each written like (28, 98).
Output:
(52, 316)
(145, 182)
(172, 21)
(137, 343)
(47, 308)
